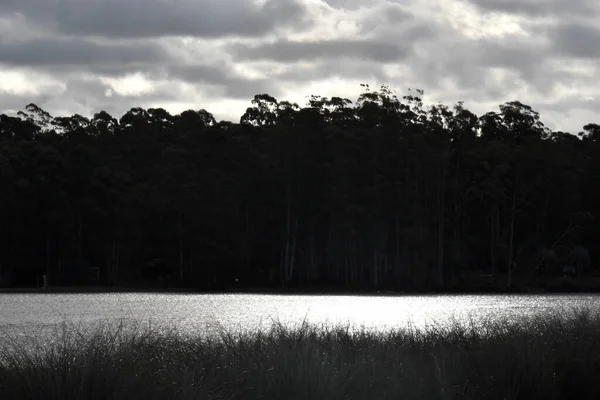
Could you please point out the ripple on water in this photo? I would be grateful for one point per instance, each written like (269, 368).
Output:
(24, 313)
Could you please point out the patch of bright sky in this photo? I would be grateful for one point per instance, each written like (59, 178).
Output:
(253, 70)
(191, 50)
(225, 109)
(21, 82)
(571, 121)
(327, 88)
(130, 85)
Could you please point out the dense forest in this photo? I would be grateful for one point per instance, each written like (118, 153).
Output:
(384, 193)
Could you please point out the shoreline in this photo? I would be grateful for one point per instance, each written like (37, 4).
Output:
(291, 292)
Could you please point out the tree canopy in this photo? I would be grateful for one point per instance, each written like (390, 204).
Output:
(384, 192)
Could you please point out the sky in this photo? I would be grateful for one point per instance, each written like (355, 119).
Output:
(84, 56)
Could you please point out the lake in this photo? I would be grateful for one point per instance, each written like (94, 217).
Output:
(203, 312)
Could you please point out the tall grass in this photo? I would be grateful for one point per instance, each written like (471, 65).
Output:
(550, 358)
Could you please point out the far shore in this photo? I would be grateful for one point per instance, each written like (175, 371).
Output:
(562, 285)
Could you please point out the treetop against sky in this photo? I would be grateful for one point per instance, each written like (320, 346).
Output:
(83, 56)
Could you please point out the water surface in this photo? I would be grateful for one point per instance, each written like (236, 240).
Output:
(203, 313)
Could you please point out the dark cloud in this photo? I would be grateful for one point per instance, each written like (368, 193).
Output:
(72, 51)
(199, 73)
(510, 55)
(294, 51)
(159, 18)
(575, 40)
(539, 8)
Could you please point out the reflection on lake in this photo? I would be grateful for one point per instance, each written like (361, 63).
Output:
(199, 313)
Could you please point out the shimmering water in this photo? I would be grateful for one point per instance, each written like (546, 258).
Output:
(201, 313)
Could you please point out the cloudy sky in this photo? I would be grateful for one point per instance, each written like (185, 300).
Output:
(83, 56)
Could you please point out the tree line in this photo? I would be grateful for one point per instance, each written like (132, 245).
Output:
(380, 193)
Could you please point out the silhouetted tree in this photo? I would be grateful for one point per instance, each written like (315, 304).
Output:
(385, 192)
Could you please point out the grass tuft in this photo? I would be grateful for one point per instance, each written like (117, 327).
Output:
(547, 358)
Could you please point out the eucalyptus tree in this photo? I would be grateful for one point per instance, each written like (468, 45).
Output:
(381, 192)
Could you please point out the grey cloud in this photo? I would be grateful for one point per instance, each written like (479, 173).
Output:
(91, 93)
(573, 103)
(115, 70)
(507, 55)
(348, 4)
(539, 8)
(294, 51)
(159, 18)
(394, 25)
(387, 14)
(86, 97)
(247, 89)
(471, 63)
(394, 13)
(526, 59)
(569, 113)
(328, 69)
(575, 40)
(434, 56)
(450, 60)
(234, 86)
(11, 103)
(71, 51)
(533, 59)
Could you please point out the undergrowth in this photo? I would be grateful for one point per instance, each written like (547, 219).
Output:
(550, 358)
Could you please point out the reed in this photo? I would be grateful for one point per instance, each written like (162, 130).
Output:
(551, 358)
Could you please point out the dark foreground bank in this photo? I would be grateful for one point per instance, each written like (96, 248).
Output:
(556, 358)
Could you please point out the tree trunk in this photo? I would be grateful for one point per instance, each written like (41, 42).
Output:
(79, 237)
(441, 223)
(190, 262)
(511, 237)
(48, 257)
(293, 251)
(311, 262)
(375, 268)
(493, 239)
(181, 258)
(249, 249)
(115, 261)
(398, 263)
(290, 242)
(58, 262)
(180, 247)
(114, 268)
